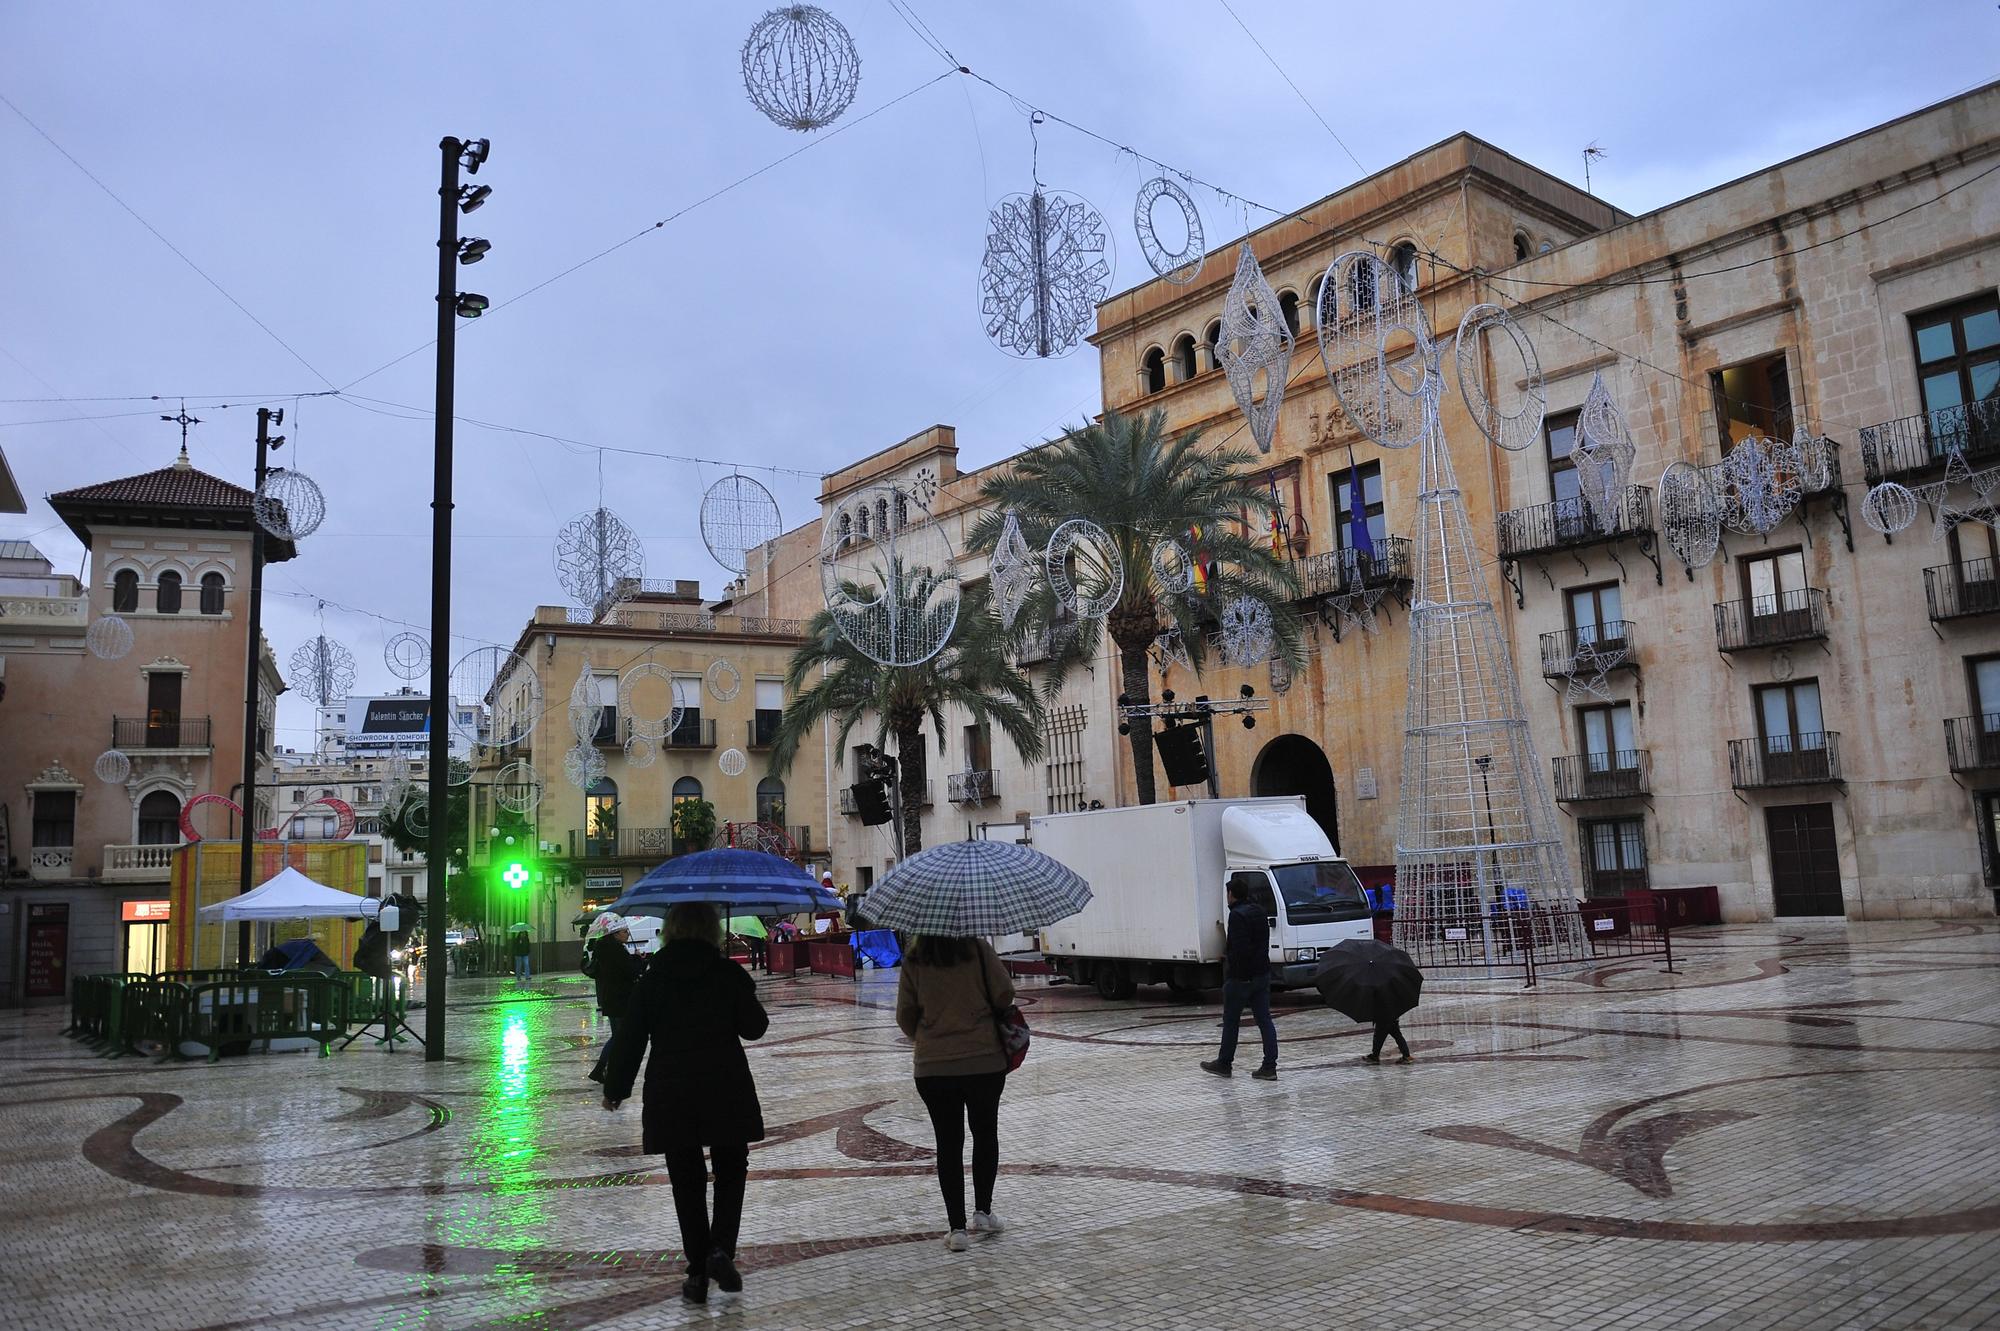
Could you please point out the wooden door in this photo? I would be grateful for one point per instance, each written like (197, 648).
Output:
(163, 710)
(1805, 860)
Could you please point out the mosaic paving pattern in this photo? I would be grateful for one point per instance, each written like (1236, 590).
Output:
(1800, 1130)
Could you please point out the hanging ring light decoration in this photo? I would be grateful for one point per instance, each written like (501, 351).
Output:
(732, 762)
(109, 638)
(1376, 346)
(1178, 266)
(595, 552)
(417, 816)
(640, 751)
(1173, 570)
(1011, 570)
(647, 720)
(517, 787)
(1047, 268)
(723, 679)
(1690, 515)
(112, 767)
(1490, 326)
(407, 655)
(738, 515)
(322, 670)
(800, 67)
(289, 504)
(1889, 508)
(496, 682)
(1256, 340)
(583, 766)
(889, 576)
(1083, 568)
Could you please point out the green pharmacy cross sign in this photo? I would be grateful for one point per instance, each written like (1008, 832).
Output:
(516, 875)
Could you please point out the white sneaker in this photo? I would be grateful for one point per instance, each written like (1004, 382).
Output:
(955, 1241)
(985, 1222)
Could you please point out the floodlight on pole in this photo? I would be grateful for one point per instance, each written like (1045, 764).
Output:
(473, 154)
(471, 304)
(472, 249)
(471, 196)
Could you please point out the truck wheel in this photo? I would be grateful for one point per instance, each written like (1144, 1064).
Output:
(1185, 984)
(1111, 983)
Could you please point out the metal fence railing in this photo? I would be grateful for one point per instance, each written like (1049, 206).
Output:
(1973, 742)
(1568, 524)
(1613, 645)
(1767, 621)
(1811, 759)
(1515, 936)
(142, 732)
(224, 1009)
(1623, 774)
(1912, 445)
(1959, 591)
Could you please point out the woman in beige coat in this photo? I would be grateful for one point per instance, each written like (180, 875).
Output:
(947, 1002)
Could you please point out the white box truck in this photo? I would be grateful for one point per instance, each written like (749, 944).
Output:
(1157, 874)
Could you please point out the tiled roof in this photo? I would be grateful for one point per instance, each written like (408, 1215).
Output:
(178, 486)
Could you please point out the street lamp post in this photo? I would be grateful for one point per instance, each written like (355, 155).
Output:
(451, 303)
(253, 653)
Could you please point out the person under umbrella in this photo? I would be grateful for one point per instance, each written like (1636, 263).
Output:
(614, 971)
(524, 949)
(954, 998)
(1371, 982)
(695, 1006)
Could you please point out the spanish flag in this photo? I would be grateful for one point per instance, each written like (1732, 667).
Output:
(1195, 558)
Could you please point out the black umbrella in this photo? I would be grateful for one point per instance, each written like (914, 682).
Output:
(1369, 981)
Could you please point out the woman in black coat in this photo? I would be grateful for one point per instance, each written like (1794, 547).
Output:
(695, 1005)
(616, 973)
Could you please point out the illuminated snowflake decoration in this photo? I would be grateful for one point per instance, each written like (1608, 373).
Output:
(1083, 568)
(1482, 333)
(1602, 454)
(647, 718)
(517, 787)
(1011, 570)
(322, 671)
(724, 680)
(1179, 266)
(1046, 270)
(1690, 514)
(407, 655)
(594, 553)
(109, 638)
(640, 751)
(732, 762)
(1247, 636)
(1256, 340)
(112, 767)
(583, 766)
(1375, 343)
(1761, 483)
(738, 515)
(800, 67)
(1889, 508)
(288, 505)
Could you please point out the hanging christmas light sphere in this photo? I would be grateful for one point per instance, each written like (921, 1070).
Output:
(800, 67)
(289, 504)
(112, 767)
(1889, 508)
(407, 655)
(737, 515)
(732, 762)
(109, 638)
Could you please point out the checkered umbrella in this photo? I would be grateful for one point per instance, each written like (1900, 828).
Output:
(967, 889)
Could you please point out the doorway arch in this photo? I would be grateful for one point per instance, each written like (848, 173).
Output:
(1294, 765)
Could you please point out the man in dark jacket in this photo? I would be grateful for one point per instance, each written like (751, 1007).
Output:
(1246, 980)
(615, 972)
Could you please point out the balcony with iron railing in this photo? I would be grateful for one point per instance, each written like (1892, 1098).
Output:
(1962, 591)
(1811, 759)
(1973, 742)
(622, 843)
(1609, 646)
(1568, 524)
(1624, 774)
(1769, 621)
(1338, 572)
(141, 732)
(972, 787)
(1914, 446)
(694, 732)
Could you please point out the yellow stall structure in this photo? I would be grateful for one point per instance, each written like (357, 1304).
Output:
(209, 871)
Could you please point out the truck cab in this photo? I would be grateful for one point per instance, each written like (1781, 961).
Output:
(1312, 898)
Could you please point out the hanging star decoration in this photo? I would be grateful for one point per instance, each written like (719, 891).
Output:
(1170, 649)
(1590, 668)
(1981, 486)
(1356, 609)
(1255, 339)
(1011, 571)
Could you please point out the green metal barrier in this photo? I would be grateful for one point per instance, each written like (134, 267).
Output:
(268, 1006)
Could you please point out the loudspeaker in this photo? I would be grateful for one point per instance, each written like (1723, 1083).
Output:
(1182, 755)
(871, 801)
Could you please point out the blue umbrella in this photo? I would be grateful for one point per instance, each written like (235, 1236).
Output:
(742, 881)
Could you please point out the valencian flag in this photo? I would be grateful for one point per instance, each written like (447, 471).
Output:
(1358, 538)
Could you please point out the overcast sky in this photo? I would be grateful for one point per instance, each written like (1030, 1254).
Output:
(822, 311)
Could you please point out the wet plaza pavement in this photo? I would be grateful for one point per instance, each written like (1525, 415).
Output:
(1802, 1129)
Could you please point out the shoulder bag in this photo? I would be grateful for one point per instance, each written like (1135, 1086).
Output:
(1008, 1022)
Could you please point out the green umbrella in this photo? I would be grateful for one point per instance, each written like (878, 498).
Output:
(517, 928)
(747, 926)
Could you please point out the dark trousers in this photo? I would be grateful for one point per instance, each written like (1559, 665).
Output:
(953, 1103)
(604, 1054)
(1256, 995)
(699, 1234)
(1383, 1031)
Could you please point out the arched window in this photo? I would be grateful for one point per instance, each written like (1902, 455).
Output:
(861, 522)
(1361, 288)
(1403, 259)
(1185, 365)
(1153, 370)
(1521, 246)
(168, 601)
(1212, 335)
(600, 818)
(1321, 315)
(846, 526)
(211, 593)
(771, 801)
(687, 790)
(1288, 305)
(902, 510)
(881, 517)
(159, 819)
(125, 591)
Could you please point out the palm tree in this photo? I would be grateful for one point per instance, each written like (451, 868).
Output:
(1144, 490)
(972, 673)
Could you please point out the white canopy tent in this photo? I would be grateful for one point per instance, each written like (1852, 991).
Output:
(288, 895)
